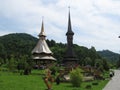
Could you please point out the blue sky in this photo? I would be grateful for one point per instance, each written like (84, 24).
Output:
(94, 22)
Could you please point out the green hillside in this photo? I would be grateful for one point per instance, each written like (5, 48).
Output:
(20, 45)
(111, 56)
(17, 44)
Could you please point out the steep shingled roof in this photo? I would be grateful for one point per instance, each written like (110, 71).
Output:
(41, 50)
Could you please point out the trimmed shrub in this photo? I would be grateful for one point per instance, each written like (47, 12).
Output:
(88, 87)
(76, 77)
(95, 83)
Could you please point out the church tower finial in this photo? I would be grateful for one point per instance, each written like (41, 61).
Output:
(42, 33)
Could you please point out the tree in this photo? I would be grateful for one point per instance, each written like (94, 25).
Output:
(105, 64)
(88, 61)
(26, 64)
(118, 63)
(93, 55)
(1, 61)
(101, 64)
(2, 52)
(76, 77)
(58, 53)
(12, 64)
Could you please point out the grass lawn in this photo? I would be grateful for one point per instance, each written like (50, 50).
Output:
(15, 81)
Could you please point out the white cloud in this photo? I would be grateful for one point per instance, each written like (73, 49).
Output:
(94, 22)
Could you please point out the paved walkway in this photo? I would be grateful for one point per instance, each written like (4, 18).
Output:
(114, 83)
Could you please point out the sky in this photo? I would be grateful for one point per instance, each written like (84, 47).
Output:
(94, 22)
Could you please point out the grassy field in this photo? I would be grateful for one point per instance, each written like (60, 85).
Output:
(15, 81)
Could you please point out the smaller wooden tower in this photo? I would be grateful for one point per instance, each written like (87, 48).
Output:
(41, 54)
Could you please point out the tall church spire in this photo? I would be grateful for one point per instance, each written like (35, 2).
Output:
(42, 33)
(69, 24)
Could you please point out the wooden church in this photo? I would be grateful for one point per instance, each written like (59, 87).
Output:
(41, 54)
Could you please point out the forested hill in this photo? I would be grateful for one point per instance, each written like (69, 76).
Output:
(17, 44)
(21, 44)
(113, 57)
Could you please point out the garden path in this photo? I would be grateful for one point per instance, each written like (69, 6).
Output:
(114, 83)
